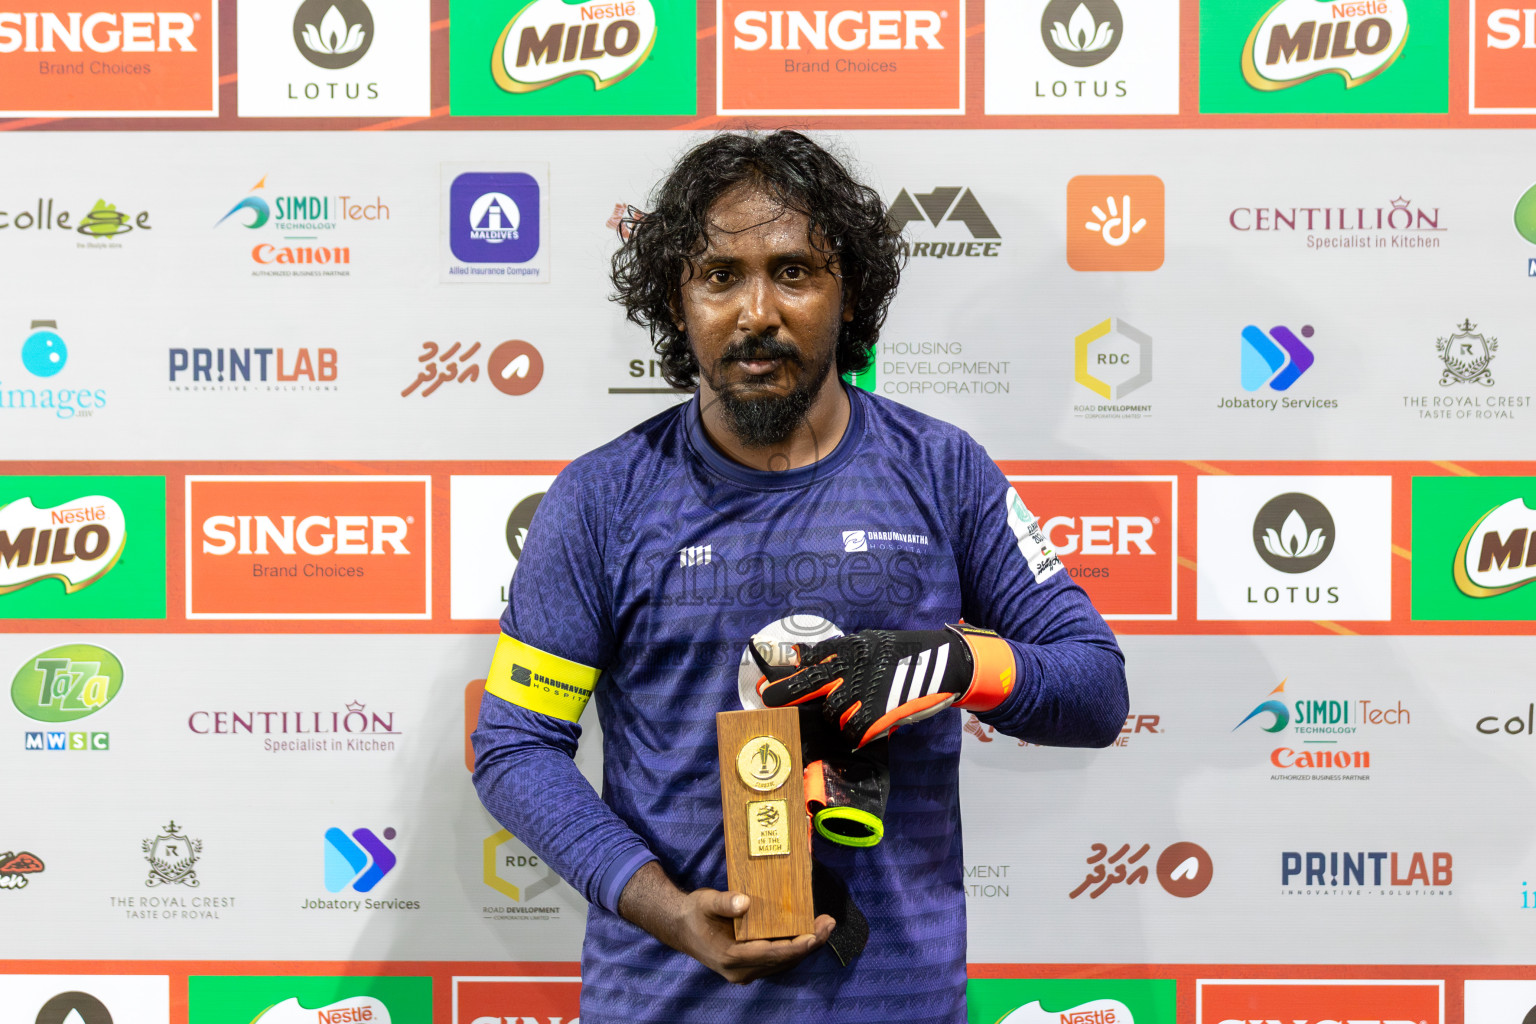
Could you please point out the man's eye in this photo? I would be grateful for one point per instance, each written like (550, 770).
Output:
(794, 273)
(719, 277)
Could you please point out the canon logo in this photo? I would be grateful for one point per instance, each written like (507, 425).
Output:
(314, 535)
(100, 32)
(1100, 535)
(846, 30)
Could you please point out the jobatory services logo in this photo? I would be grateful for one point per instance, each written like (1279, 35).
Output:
(1183, 869)
(359, 861)
(1317, 548)
(801, 57)
(350, 729)
(564, 57)
(513, 367)
(1315, 1001)
(1082, 57)
(335, 58)
(1115, 222)
(17, 868)
(517, 873)
(1473, 550)
(270, 999)
(1502, 71)
(1366, 873)
(65, 549)
(1321, 738)
(490, 517)
(1275, 359)
(109, 58)
(497, 1000)
(200, 370)
(1075, 1001)
(1112, 359)
(308, 547)
(1323, 56)
(44, 356)
(302, 217)
(493, 222)
(1116, 536)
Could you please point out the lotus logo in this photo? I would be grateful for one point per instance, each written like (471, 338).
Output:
(1081, 33)
(519, 521)
(333, 34)
(1293, 533)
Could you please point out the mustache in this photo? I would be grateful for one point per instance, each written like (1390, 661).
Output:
(760, 346)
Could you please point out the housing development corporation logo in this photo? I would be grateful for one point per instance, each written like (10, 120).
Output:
(360, 860)
(806, 57)
(1076, 1001)
(1502, 75)
(1115, 222)
(1474, 548)
(492, 224)
(110, 58)
(1316, 1001)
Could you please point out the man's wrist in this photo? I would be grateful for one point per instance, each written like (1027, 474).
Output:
(652, 901)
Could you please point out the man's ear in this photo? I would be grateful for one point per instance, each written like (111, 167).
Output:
(850, 301)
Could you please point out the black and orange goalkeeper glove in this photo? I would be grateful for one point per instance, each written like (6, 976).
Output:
(878, 679)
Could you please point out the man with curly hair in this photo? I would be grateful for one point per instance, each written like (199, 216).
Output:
(776, 501)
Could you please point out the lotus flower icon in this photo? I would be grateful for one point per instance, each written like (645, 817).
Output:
(1293, 540)
(1294, 532)
(334, 34)
(1081, 34)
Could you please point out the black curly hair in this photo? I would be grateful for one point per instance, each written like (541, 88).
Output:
(848, 224)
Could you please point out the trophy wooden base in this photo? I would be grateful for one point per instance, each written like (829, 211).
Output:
(767, 831)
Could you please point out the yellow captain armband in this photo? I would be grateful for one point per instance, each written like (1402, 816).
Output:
(540, 681)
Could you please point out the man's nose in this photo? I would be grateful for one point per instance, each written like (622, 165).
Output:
(759, 311)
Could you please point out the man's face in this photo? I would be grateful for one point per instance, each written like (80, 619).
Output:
(762, 309)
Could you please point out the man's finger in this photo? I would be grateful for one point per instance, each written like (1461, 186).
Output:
(772, 952)
(727, 904)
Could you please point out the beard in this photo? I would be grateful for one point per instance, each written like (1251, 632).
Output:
(759, 418)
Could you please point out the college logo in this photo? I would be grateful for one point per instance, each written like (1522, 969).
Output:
(1315, 548)
(63, 684)
(573, 57)
(1474, 541)
(44, 355)
(271, 999)
(1115, 222)
(1277, 358)
(1096, 1001)
(1183, 869)
(1502, 76)
(171, 856)
(1314, 56)
(109, 59)
(513, 367)
(520, 1000)
(308, 547)
(1231, 1001)
(490, 519)
(1116, 536)
(492, 224)
(100, 224)
(360, 860)
(801, 58)
(16, 867)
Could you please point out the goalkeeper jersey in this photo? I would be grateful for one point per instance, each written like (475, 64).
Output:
(654, 560)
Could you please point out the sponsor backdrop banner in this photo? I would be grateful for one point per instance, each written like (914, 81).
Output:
(306, 308)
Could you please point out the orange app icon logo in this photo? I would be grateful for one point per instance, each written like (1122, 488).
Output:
(1115, 222)
(1116, 536)
(110, 58)
(309, 547)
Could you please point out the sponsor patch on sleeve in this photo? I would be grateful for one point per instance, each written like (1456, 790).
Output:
(522, 674)
(1032, 543)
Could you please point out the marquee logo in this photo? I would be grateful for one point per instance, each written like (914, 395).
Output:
(947, 205)
(549, 41)
(1316, 1001)
(64, 684)
(360, 860)
(1297, 40)
(1115, 222)
(76, 543)
(308, 547)
(333, 34)
(801, 57)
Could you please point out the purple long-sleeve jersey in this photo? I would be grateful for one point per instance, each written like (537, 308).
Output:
(656, 559)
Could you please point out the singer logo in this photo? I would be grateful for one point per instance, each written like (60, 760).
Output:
(1117, 536)
(1229, 1001)
(516, 1000)
(109, 59)
(1503, 71)
(308, 547)
(801, 57)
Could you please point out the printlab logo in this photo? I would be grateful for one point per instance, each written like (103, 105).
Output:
(241, 369)
(1081, 33)
(1183, 869)
(946, 205)
(16, 867)
(494, 223)
(513, 367)
(172, 855)
(1503, 72)
(1115, 222)
(360, 860)
(333, 34)
(1293, 533)
(44, 355)
(1361, 873)
(1113, 359)
(1277, 358)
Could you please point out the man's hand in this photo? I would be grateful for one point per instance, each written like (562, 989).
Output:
(699, 923)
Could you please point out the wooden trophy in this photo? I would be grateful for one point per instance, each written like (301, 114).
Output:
(767, 832)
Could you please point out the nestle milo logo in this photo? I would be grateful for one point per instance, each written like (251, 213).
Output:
(548, 41)
(74, 543)
(1298, 40)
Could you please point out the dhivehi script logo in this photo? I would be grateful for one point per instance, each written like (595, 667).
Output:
(74, 543)
(1298, 40)
(1495, 556)
(353, 1010)
(552, 40)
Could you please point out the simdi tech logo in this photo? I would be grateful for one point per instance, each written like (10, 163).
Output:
(303, 218)
(1313, 1001)
(807, 57)
(110, 58)
(1082, 57)
(516, 1000)
(309, 547)
(1474, 548)
(1324, 56)
(564, 57)
(308, 1000)
(82, 547)
(1075, 1001)
(1115, 222)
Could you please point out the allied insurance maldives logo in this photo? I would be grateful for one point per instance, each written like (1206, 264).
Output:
(807, 57)
(113, 59)
(309, 547)
(1313, 1001)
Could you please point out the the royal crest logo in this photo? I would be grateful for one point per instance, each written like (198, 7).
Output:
(75, 543)
(1298, 40)
(1466, 356)
(171, 856)
(548, 41)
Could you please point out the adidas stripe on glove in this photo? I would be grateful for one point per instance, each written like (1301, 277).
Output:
(878, 679)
